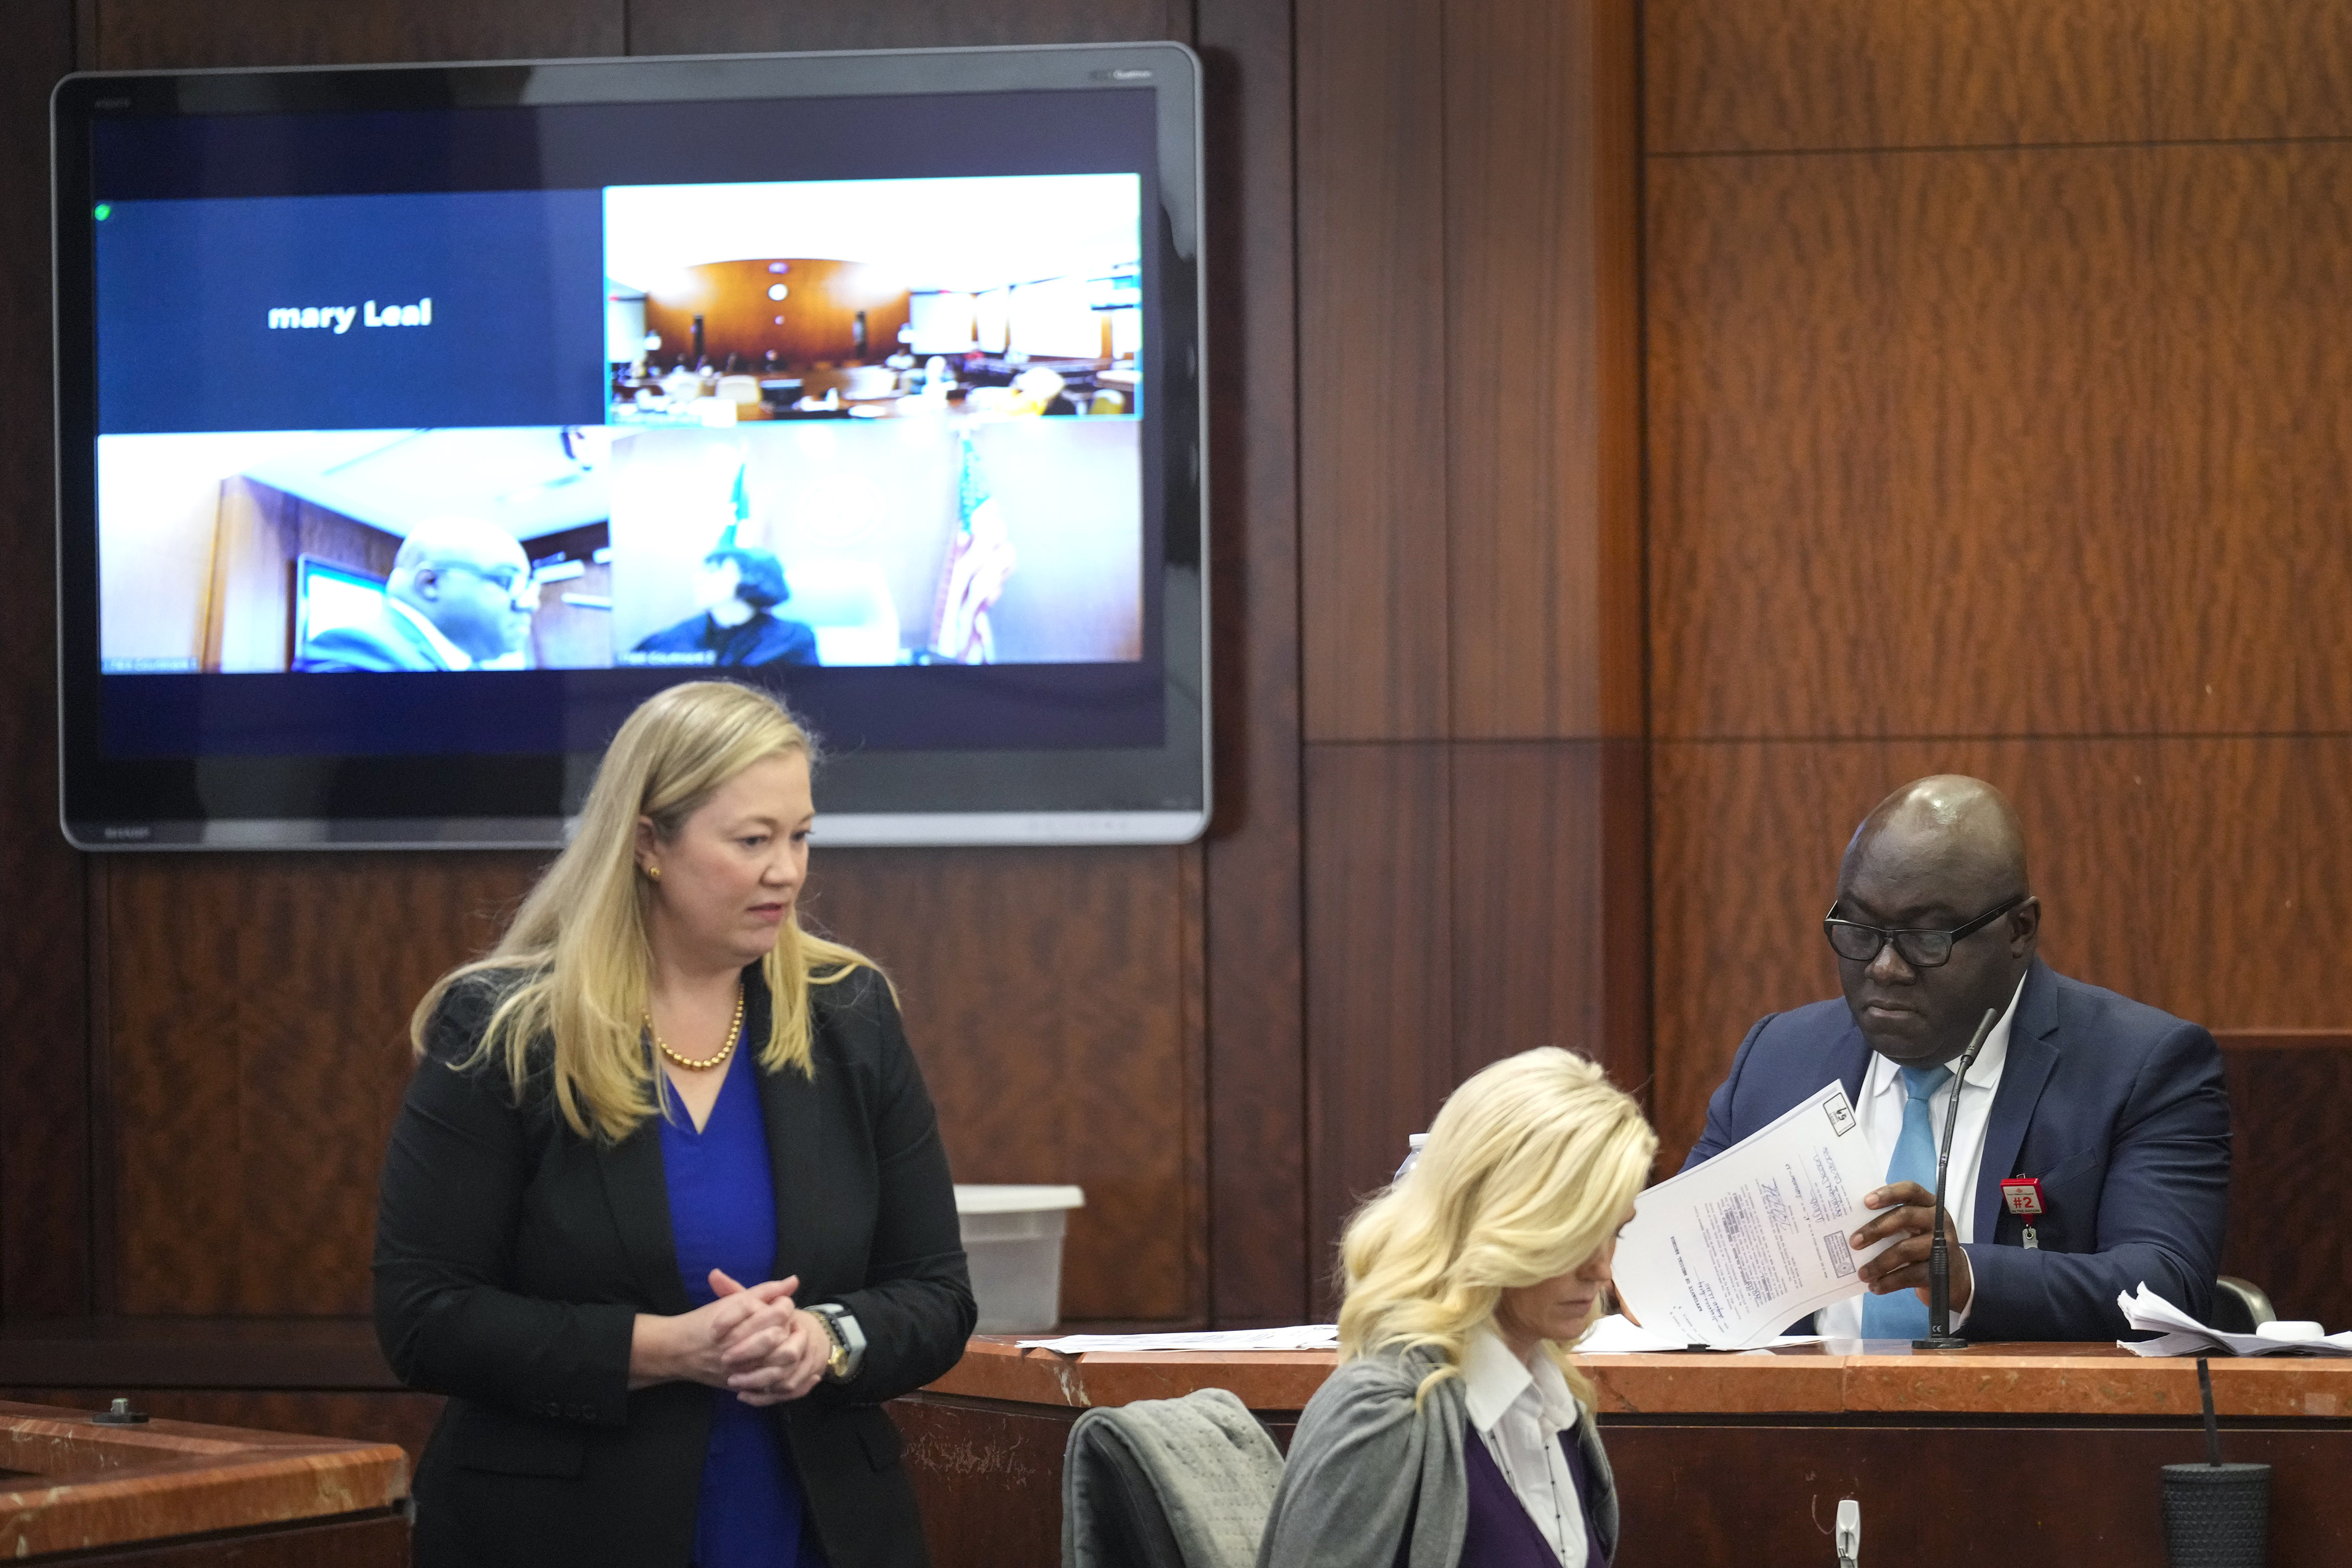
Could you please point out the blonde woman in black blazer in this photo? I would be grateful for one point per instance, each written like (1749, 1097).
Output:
(526, 1261)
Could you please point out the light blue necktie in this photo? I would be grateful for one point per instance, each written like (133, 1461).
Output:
(1902, 1315)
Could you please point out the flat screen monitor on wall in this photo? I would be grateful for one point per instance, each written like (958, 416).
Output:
(416, 424)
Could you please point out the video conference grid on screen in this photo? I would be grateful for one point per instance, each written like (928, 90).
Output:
(876, 422)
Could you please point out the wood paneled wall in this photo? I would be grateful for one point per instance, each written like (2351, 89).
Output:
(206, 1064)
(1469, 534)
(1997, 423)
(1642, 436)
(44, 1105)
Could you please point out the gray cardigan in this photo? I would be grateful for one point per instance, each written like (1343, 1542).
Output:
(1368, 1473)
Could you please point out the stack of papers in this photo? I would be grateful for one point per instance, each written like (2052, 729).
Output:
(1731, 1252)
(2184, 1335)
(1617, 1334)
(1305, 1337)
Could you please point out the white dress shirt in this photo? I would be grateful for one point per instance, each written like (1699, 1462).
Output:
(1519, 1412)
(1884, 1098)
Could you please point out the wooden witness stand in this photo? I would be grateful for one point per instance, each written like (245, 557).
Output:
(2020, 1453)
(177, 1494)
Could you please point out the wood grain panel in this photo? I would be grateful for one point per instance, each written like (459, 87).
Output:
(2207, 877)
(2288, 1195)
(2034, 443)
(988, 1477)
(158, 35)
(1894, 487)
(2022, 1380)
(1626, 1020)
(726, 26)
(1529, 905)
(1782, 74)
(153, 1353)
(1046, 993)
(2250, 68)
(1698, 1492)
(2284, 1039)
(259, 1009)
(371, 1540)
(404, 1419)
(45, 1197)
(1379, 980)
(1739, 1435)
(252, 1118)
(1541, 333)
(1465, 901)
(1375, 370)
(70, 1485)
(1256, 1019)
(2249, 440)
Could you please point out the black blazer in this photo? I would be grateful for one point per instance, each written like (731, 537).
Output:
(512, 1258)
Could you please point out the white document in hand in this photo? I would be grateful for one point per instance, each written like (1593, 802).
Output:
(1731, 1252)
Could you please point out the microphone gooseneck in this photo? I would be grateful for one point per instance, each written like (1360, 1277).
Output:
(1939, 1257)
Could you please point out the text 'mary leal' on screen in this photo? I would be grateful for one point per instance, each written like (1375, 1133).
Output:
(825, 423)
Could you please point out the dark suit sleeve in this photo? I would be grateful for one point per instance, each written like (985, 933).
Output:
(1721, 1132)
(2162, 1210)
(342, 649)
(916, 1307)
(684, 637)
(800, 643)
(452, 1193)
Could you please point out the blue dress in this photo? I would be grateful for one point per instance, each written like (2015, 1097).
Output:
(722, 1215)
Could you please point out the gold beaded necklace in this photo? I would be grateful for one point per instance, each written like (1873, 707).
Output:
(734, 1035)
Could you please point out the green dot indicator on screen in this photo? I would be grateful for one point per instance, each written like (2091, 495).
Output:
(102, 211)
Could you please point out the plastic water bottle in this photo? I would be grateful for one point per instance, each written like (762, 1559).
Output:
(1411, 1155)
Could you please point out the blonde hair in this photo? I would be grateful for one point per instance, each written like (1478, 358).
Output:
(578, 944)
(1523, 1177)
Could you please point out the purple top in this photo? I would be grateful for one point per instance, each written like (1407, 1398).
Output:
(722, 1215)
(1500, 1535)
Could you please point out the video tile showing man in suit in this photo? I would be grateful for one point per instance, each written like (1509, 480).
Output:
(460, 594)
(2116, 1109)
(738, 590)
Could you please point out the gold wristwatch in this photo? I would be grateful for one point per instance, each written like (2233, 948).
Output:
(848, 1340)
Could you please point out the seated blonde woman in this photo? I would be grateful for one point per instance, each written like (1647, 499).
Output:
(1455, 1434)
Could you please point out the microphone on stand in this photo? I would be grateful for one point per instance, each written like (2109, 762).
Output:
(1939, 1259)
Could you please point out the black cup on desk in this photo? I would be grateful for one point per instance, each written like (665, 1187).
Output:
(2217, 1516)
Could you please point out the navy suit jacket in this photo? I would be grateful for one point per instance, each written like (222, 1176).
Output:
(2117, 1106)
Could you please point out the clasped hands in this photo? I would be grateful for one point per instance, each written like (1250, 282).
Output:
(1911, 1214)
(752, 1340)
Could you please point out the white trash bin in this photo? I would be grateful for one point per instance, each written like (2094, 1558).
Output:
(1013, 1239)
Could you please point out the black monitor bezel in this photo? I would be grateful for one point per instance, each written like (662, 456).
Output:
(1065, 796)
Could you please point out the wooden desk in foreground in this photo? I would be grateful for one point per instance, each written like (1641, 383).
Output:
(189, 1496)
(2017, 1454)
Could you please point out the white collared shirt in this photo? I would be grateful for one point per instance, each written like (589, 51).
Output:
(451, 653)
(1884, 1098)
(1519, 1412)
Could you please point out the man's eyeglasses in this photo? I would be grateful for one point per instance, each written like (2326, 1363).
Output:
(1919, 949)
(515, 584)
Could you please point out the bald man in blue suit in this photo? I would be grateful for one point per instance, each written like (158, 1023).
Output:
(2116, 1107)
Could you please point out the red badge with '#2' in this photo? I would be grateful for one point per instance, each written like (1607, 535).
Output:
(2023, 1197)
